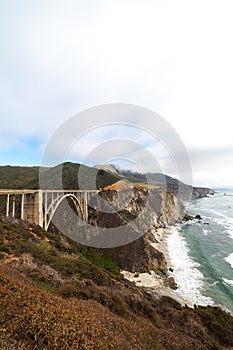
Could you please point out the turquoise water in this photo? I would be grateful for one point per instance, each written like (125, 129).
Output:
(203, 262)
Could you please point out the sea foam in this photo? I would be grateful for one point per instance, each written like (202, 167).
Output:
(229, 259)
(223, 220)
(206, 232)
(230, 282)
(189, 279)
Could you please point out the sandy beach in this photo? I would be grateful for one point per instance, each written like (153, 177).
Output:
(153, 282)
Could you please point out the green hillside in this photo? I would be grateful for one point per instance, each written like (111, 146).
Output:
(19, 177)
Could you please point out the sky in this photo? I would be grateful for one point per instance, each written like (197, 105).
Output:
(59, 58)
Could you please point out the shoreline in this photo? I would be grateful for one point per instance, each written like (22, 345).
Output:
(162, 246)
(155, 283)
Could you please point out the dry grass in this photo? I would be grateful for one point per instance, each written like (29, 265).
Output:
(53, 297)
(44, 321)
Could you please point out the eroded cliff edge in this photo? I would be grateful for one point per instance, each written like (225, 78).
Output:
(164, 209)
(158, 208)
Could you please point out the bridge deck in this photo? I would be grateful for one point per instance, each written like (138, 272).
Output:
(25, 191)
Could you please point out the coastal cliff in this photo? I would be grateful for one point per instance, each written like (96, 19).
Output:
(199, 192)
(164, 209)
(158, 209)
(158, 203)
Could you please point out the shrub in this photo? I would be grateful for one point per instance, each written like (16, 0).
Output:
(68, 290)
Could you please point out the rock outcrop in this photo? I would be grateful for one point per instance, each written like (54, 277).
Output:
(155, 207)
(170, 281)
(140, 256)
(118, 186)
(200, 192)
(185, 192)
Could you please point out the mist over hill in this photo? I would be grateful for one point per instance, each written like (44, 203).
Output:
(70, 175)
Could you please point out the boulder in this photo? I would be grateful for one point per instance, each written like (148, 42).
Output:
(170, 281)
(188, 217)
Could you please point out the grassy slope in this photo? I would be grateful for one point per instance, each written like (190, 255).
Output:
(17, 177)
(56, 295)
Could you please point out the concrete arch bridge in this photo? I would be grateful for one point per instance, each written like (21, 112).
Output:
(39, 206)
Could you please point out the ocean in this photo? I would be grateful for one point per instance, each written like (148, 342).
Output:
(201, 252)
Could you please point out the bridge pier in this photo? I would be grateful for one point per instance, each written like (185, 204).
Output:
(38, 209)
(13, 207)
(22, 206)
(8, 205)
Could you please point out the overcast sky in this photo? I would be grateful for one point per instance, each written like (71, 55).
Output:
(173, 57)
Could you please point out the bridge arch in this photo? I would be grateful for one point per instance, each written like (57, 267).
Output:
(51, 210)
(39, 206)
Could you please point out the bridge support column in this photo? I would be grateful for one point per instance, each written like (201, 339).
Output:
(38, 209)
(22, 206)
(45, 210)
(85, 207)
(13, 207)
(7, 205)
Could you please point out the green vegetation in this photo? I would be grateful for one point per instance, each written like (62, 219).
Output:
(105, 261)
(22, 177)
(55, 294)
(19, 177)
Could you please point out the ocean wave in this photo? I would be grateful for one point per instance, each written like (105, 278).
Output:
(223, 221)
(226, 223)
(214, 283)
(218, 213)
(206, 232)
(230, 232)
(229, 259)
(189, 279)
(229, 282)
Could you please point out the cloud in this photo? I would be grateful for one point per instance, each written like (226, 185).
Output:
(211, 159)
(58, 58)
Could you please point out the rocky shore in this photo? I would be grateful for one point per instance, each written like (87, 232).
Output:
(146, 261)
(158, 283)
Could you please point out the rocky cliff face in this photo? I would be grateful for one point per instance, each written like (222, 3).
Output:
(199, 192)
(187, 192)
(156, 209)
(139, 256)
